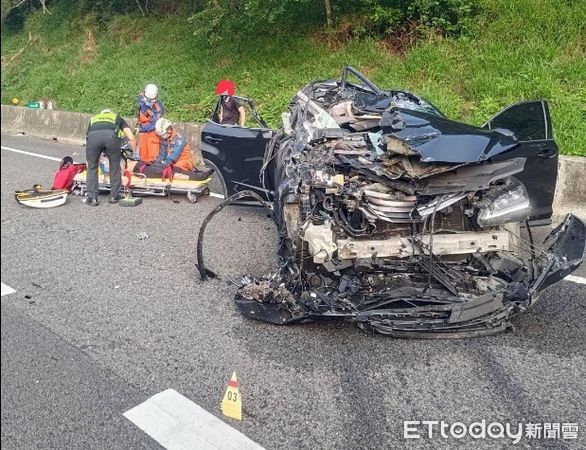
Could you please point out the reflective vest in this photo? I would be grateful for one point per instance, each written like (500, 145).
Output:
(104, 117)
(105, 121)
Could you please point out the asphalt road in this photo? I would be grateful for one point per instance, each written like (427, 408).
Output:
(102, 320)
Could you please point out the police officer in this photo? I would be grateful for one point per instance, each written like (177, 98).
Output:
(103, 136)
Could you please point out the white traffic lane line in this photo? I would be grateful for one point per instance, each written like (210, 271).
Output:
(575, 279)
(177, 423)
(36, 155)
(6, 290)
(52, 158)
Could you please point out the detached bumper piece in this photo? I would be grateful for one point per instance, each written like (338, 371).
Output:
(483, 316)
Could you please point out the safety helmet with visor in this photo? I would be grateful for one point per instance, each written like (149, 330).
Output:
(162, 127)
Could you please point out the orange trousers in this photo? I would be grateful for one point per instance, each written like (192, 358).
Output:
(149, 146)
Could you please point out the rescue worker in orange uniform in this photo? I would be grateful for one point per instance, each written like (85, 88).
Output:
(150, 109)
(174, 149)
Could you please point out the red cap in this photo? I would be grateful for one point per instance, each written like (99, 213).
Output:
(225, 87)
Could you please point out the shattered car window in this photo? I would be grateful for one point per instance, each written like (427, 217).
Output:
(395, 217)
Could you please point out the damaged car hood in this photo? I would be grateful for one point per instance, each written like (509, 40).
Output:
(437, 139)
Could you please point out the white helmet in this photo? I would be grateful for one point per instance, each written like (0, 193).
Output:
(162, 126)
(151, 91)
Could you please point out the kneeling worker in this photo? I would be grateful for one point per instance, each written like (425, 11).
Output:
(174, 149)
(103, 136)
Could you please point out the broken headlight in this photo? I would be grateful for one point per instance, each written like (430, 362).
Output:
(509, 203)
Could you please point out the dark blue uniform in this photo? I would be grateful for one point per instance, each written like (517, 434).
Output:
(103, 137)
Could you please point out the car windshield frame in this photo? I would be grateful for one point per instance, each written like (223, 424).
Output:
(250, 106)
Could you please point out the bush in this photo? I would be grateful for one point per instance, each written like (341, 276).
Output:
(217, 19)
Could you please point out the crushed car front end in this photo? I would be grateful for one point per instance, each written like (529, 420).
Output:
(401, 220)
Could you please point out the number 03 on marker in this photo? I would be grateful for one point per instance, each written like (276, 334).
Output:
(232, 403)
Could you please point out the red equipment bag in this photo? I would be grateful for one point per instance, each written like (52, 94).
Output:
(67, 170)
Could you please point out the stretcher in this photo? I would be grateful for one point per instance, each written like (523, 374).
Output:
(138, 184)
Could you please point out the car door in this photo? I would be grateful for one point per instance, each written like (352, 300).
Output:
(530, 122)
(236, 153)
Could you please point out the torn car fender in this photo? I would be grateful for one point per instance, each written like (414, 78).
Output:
(564, 254)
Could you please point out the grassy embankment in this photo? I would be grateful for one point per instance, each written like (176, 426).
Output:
(518, 50)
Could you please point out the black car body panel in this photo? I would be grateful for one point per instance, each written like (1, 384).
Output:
(531, 124)
(437, 139)
(237, 152)
(397, 218)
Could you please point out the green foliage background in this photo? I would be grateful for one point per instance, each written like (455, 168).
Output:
(88, 59)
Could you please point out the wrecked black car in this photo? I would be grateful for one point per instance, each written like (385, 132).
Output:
(395, 217)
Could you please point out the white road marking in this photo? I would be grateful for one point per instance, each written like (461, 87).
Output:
(575, 279)
(52, 158)
(177, 423)
(36, 155)
(6, 290)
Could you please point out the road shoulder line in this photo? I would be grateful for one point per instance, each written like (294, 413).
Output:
(176, 423)
(7, 290)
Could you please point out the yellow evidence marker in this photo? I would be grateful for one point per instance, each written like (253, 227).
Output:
(232, 403)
